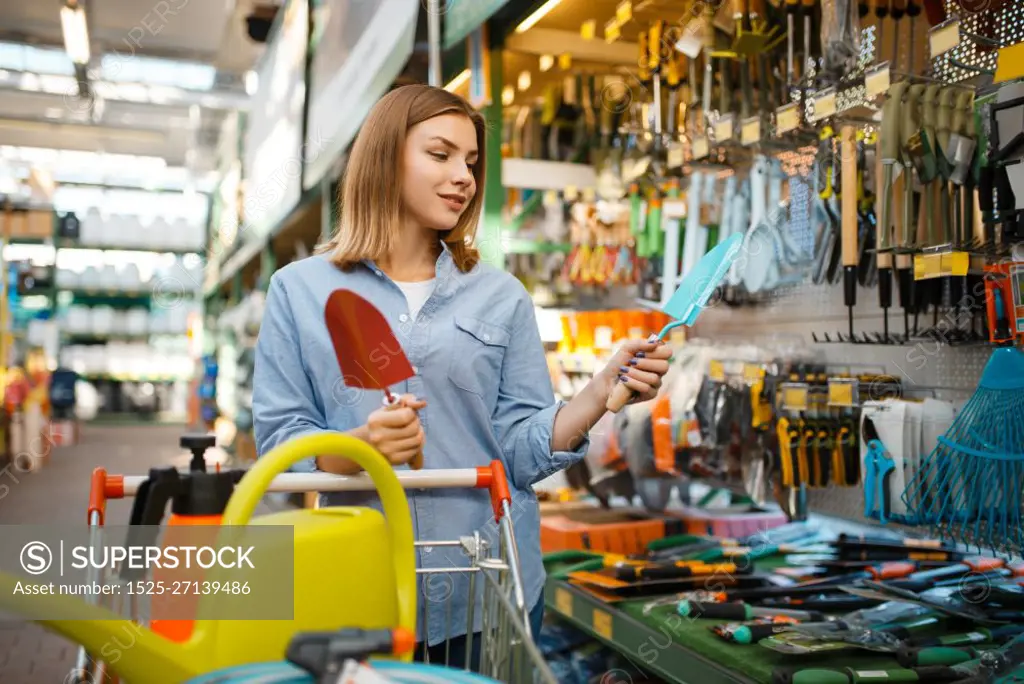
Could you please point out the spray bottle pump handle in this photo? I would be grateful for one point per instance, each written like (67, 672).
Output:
(198, 444)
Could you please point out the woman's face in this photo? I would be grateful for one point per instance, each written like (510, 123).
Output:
(437, 177)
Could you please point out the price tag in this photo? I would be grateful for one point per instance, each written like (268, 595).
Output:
(550, 196)
(588, 29)
(700, 147)
(624, 12)
(825, 104)
(750, 131)
(602, 622)
(716, 371)
(724, 128)
(842, 392)
(571, 193)
(675, 155)
(612, 31)
(787, 118)
(752, 373)
(954, 263)
(565, 61)
(795, 397)
(877, 80)
(944, 37)
(563, 601)
(927, 266)
(589, 194)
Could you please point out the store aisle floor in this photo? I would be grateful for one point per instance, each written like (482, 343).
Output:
(58, 494)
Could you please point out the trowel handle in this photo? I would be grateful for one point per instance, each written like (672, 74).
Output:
(621, 395)
(392, 402)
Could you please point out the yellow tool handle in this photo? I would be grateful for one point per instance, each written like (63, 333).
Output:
(254, 484)
(785, 455)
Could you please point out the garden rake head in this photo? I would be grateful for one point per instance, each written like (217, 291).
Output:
(970, 487)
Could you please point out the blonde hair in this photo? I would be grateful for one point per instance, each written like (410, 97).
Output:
(371, 192)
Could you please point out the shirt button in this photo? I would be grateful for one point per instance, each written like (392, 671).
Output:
(379, 274)
(487, 338)
(403, 318)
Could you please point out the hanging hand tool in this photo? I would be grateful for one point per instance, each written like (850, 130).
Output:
(922, 150)
(807, 9)
(881, 12)
(792, 6)
(889, 143)
(913, 12)
(882, 236)
(910, 132)
(848, 156)
(897, 10)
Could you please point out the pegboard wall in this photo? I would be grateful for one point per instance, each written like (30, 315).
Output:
(787, 320)
(984, 26)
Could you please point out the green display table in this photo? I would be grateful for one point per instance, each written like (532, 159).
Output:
(678, 649)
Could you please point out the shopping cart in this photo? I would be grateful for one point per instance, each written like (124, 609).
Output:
(490, 572)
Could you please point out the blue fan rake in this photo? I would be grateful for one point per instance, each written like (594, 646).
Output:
(970, 488)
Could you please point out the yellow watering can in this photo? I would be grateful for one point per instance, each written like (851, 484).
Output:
(332, 587)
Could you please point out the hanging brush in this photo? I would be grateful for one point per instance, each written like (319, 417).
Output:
(969, 489)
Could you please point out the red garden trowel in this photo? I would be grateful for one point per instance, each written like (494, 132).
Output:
(368, 353)
(689, 300)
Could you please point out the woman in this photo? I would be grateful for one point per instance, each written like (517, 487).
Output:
(409, 210)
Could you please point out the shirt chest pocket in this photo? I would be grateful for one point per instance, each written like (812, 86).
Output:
(477, 354)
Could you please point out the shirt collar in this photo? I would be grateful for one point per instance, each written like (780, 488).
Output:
(449, 278)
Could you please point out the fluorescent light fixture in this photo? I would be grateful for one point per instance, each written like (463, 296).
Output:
(546, 62)
(76, 36)
(458, 81)
(541, 12)
(508, 95)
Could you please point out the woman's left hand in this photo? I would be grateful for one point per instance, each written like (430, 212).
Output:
(640, 365)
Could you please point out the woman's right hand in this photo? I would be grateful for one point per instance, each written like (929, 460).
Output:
(395, 431)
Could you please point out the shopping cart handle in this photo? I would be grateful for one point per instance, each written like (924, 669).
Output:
(490, 477)
(101, 488)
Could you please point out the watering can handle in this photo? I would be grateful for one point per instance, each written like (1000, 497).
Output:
(254, 484)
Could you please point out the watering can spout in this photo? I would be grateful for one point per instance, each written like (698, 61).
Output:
(135, 653)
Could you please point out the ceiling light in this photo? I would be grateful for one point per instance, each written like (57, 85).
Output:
(458, 81)
(76, 36)
(508, 95)
(524, 81)
(541, 12)
(546, 62)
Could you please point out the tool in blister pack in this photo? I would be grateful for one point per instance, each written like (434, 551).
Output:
(878, 466)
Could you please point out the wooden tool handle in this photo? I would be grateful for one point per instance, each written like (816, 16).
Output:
(619, 397)
(848, 143)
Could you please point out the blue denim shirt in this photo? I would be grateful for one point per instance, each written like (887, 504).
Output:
(480, 365)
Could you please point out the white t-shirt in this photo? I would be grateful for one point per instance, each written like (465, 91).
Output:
(417, 294)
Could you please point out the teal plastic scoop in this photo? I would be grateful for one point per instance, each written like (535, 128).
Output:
(689, 299)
